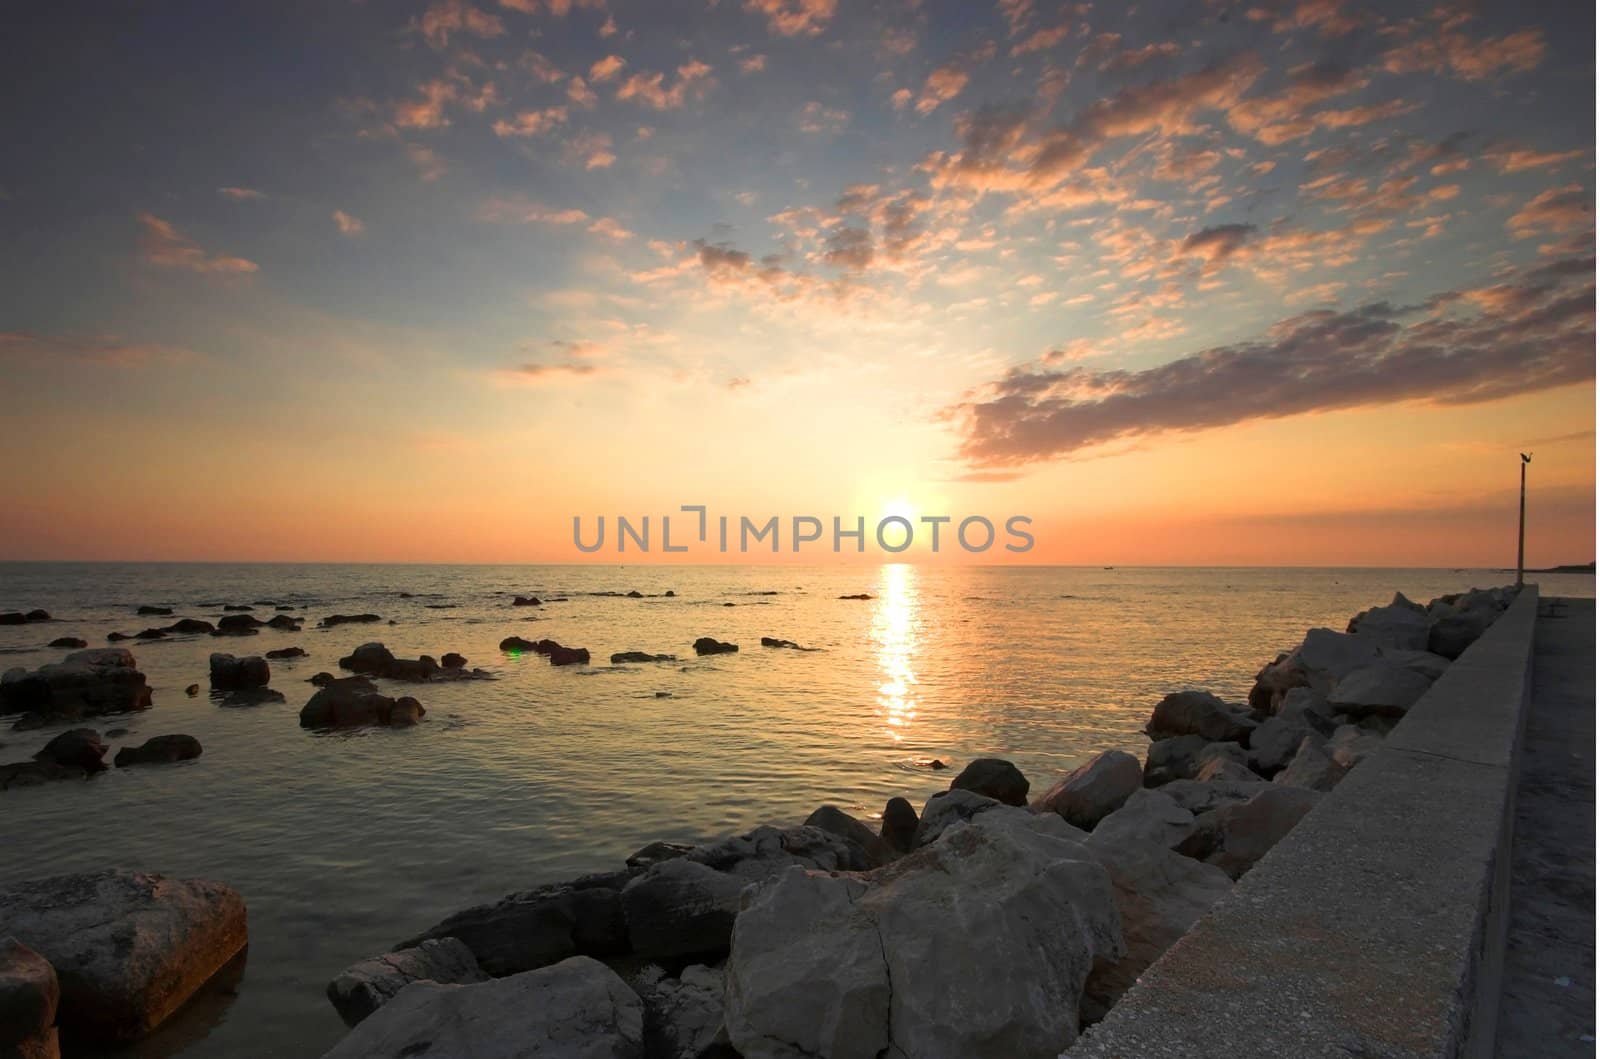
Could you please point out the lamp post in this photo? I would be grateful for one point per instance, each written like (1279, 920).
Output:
(1522, 513)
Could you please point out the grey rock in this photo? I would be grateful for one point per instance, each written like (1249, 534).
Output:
(364, 987)
(1198, 797)
(160, 750)
(1308, 709)
(656, 852)
(899, 828)
(867, 849)
(1452, 633)
(1199, 713)
(994, 778)
(1312, 768)
(947, 808)
(1246, 832)
(681, 908)
(576, 1009)
(1427, 663)
(1350, 745)
(229, 673)
(129, 949)
(1402, 624)
(1093, 790)
(683, 1015)
(1383, 688)
(1219, 769)
(1148, 816)
(1275, 743)
(1182, 757)
(765, 851)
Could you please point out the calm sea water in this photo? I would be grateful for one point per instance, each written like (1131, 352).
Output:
(344, 843)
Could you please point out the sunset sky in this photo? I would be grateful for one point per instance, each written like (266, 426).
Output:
(1183, 282)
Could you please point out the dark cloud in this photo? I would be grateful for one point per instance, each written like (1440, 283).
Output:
(1540, 338)
(849, 249)
(1217, 244)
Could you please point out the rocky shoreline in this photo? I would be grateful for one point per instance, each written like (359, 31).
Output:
(988, 924)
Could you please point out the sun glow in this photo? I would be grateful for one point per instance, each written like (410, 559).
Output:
(897, 628)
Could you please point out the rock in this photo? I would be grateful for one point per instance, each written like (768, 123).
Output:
(526, 601)
(683, 1015)
(363, 988)
(191, 626)
(1426, 663)
(150, 634)
(84, 684)
(873, 851)
(237, 606)
(354, 702)
(1220, 769)
(452, 660)
(1016, 909)
(1246, 831)
(1350, 745)
(681, 908)
(1182, 757)
(640, 656)
(192, 690)
(350, 619)
(370, 658)
(858, 595)
(229, 673)
(707, 646)
(1312, 767)
(568, 656)
(1321, 659)
(1159, 895)
(1451, 634)
(1093, 790)
(769, 641)
(899, 827)
(994, 778)
(69, 641)
(656, 853)
(528, 930)
(948, 808)
(576, 1009)
(12, 617)
(147, 610)
(1148, 816)
(287, 652)
(29, 996)
(237, 625)
(1308, 709)
(1199, 713)
(1402, 624)
(1198, 797)
(160, 750)
(1276, 741)
(668, 594)
(1382, 689)
(284, 622)
(79, 748)
(766, 851)
(518, 644)
(128, 948)
(117, 637)
(18, 774)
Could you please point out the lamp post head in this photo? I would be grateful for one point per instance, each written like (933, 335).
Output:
(1527, 457)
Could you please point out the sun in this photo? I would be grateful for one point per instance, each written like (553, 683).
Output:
(899, 506)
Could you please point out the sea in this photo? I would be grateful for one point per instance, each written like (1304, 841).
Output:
(344, 843)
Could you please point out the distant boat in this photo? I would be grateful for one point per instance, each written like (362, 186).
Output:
(1110, 568)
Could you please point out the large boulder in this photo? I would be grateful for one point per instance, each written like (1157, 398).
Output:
(707, 645)
(868, 849)
(128, 948)
(899, 828)
(766, 851)
(29, 995)
(681, 908)
(976, 946)
(947, 808)
(80, 748)
(371, 659)
(1350, 745)
(1199, 713)
(363, 988)
(1384, 689)
(1308, 709)
(1245, 832)
(229, 673)
(84, 684)
(540, 927)
(1322, 658)
(1199, 797)
(160, 750)
(994, 778)
(1450, 634)
(683, 1015)
(1148, 816)
(1093, 790)
(576, 1009)
(1276, 742)
(1427, 663)
(1402, 624)
(1160, 895)
(237, 625)
(1182, 757)
(354, 702)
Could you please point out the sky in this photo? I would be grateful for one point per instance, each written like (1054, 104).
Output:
(426, 280)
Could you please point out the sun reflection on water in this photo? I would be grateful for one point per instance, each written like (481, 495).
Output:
(897, 629)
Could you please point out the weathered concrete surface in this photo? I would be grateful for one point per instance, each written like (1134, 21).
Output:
(1547, 999)
(1371, 929)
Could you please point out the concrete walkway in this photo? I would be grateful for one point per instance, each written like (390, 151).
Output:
(1547, 1006)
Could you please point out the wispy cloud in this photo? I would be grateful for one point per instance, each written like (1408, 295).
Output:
(694, 77)
(165, 246)
(103, 351)
(240, 194)
(794, 18)
(347, 224)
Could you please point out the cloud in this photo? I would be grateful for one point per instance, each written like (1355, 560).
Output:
(538, 374)
(515, 210)
(948, 79)
(446, 17)
(607, 68)
(427, 111)
(1556, 210)
(650, 89)
(1218, 243)
(608, 227)
(1377, 354)
(348, 225)
(240, 194)
(165, 246)
(592, 150)
(816, 118)
(752, 64)
(794, 18)
(100, 351)
(1468, 59)
(531, 122)
(580, 93)
(849, 249)
(1042, 39)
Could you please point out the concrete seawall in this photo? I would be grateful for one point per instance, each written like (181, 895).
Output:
(1377, 927)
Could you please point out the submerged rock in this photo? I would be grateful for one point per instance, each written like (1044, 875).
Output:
(79, 748)
(69, 641)
(575, 1009)
(12, 617)
(355, 702)
(128, 948)
(191, 626)
(159, 750)
(452, 660)
(287, 652)
(229, 673)
(622, 657)
(708, 646)
(568, 656)
(364, 987)
(84, 684)
(349, 619)
(160, 612)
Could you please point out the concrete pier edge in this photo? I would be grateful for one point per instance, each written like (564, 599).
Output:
(1377, 927)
